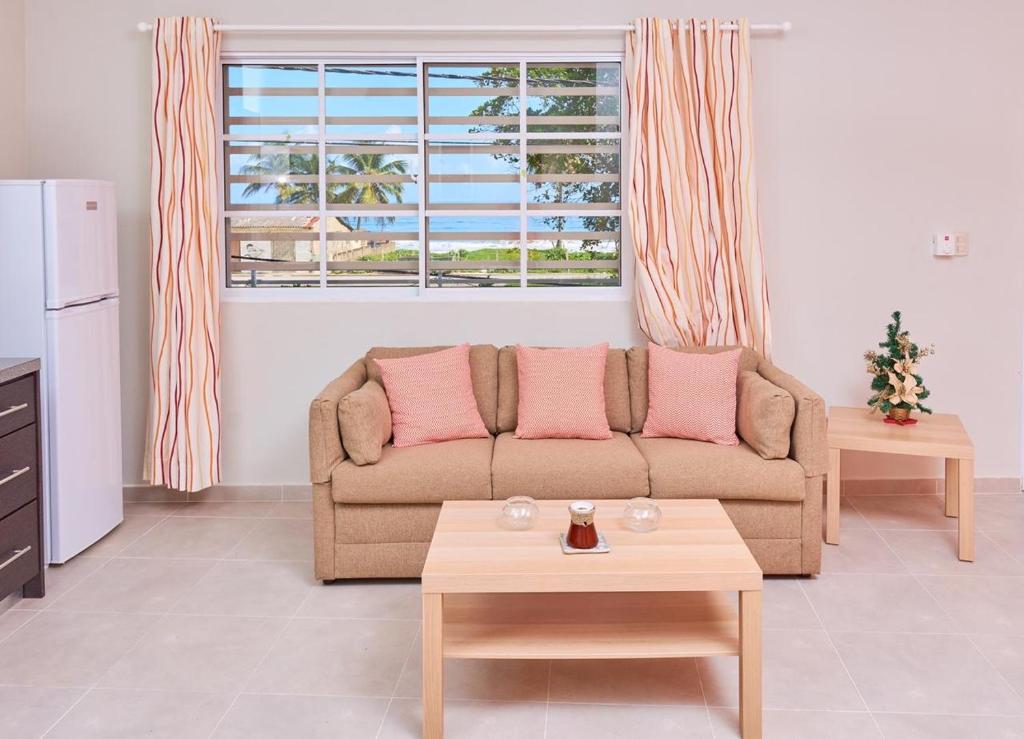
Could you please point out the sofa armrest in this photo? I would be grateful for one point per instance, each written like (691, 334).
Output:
(809, 445)
(325, 449)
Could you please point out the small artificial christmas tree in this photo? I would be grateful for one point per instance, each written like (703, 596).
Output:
(895, 382)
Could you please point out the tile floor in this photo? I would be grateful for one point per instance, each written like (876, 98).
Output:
(202, 619)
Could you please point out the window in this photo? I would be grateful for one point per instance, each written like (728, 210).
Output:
(430, 175)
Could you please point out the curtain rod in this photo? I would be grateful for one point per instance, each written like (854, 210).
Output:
(245, 28)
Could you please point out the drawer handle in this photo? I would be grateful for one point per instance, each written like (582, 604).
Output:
(13, 476)
(13, 409)
(15, 555)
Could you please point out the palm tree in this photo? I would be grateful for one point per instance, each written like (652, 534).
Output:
(366, 192)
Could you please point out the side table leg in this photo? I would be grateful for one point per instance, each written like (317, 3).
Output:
(952, 487)
(433, 666)
(965, 475)
(750, 664)
(832, 485)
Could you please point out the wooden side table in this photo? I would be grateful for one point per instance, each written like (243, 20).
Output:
(938, 435)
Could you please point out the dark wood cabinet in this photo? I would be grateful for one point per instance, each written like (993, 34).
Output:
(21, 482)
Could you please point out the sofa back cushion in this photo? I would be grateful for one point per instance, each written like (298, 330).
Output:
(365, 422)
(637, 361)
(561, 393)
(764, 415)
(616, 390)
(483, 367)
(431, 397)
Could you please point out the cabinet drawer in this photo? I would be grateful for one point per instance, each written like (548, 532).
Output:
(19, 548)
(19, 470)
(17, 404)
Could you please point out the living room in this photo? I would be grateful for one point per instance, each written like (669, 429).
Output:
(228, 533)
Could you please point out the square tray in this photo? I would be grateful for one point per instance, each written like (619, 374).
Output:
(601, 548)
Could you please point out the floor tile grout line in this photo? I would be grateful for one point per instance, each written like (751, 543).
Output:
(839, 656)
(954, 621)
(256, 669)
(547, 698)
(398, 681)
(704, 697)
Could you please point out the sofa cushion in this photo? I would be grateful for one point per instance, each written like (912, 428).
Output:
(429, 473)
(764, 415)
(561, 393)
(365, 422)
(483, 367)
(431, 397)
(616, 390)
(549, 469)
(636, 359)
(692, 396)
(683, 468)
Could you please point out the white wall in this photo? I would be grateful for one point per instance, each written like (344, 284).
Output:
(877, 124)
(13, 161)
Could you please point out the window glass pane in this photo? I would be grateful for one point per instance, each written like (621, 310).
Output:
(573, 251)
(575, 96)
(472, 98)
(473, 175)
(271, 176)
(372, 175)
(573, 173)
(473, 252)
(269, 99)
(273, 251)
(372, 251)
(379, 99)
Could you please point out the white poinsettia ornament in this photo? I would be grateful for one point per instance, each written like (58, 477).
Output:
(897, 387)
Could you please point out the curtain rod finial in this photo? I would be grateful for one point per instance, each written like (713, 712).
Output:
(787, 26)
(143, 26)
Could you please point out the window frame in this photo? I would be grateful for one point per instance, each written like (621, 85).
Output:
(420, 292)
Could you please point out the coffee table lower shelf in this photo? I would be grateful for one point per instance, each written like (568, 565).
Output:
(589, 625)
(642, 625)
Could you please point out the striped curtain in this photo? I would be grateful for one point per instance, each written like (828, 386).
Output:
(183, 436)
(700, 276)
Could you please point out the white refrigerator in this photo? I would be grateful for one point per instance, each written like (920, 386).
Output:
(59, 302)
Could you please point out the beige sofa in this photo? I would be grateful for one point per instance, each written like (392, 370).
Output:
(377, 520)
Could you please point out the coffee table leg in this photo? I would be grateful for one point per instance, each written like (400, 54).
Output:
(965, 475)
(952, 487)
(832, 484)
(750, 664)
(433, 666)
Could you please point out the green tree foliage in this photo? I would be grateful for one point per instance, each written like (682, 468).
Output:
(599, 160)
(895, 382)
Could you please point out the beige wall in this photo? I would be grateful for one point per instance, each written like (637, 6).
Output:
(13, 162)
(878, 123)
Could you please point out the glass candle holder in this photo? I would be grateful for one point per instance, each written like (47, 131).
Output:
(519, 513)
(641, 515)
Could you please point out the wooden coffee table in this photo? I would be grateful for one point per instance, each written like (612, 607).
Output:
(489, 593)
(938, 435)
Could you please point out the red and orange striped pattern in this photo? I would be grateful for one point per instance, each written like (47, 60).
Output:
(700, 275)
(184, 435)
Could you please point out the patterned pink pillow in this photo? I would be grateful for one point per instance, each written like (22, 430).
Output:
(431, 397)
(561, 393)
(692, 396)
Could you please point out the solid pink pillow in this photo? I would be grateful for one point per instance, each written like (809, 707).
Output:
(692, 396)
(561, 393)
(431, 397)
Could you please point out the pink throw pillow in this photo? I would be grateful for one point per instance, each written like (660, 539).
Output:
(561, 393)
(431, 397)
(692, 396)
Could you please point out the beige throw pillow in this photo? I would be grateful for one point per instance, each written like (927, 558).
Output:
(764, 415)
(365, 422)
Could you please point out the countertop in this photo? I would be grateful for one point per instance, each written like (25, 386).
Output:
(11, 368)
